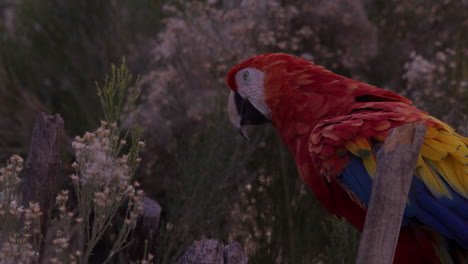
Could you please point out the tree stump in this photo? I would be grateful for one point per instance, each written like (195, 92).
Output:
(43, 165)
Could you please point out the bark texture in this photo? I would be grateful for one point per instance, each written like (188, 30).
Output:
(43, 165)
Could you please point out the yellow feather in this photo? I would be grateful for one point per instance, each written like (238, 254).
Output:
(464, 139)
(370, 165)
(420, 162)
(380, 138)
(462, 170)
(448, 168)
(448, 128)
(442, 124)
(431, 153)
(442, 147)
(461, 156)
(352, 147)
(429, 177)
(359, 146)
(432, 132)
(362, 143)
(449, 138)
(462, 150)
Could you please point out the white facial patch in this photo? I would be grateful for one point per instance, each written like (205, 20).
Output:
(250, 86)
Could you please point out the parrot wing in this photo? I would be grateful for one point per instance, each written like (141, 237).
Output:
(344, 149)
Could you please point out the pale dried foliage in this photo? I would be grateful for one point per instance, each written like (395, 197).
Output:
(419, 71)
(17, 244)
(95, 158)
(432, 35)
(102, 182)
(246, 211)
(433, 86)
(260, 224)
(202, 40)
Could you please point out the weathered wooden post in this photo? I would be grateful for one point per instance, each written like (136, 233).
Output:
(396, 163)
(43, 164)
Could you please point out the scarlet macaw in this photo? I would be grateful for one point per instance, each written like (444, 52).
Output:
(334, 126)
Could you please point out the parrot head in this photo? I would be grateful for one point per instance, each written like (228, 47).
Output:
(251, 95)
(247, 104)
(277, 87)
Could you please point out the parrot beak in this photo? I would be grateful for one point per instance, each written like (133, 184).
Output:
(242, 112)
(235, 117)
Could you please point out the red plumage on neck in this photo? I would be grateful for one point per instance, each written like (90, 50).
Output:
(298, 89)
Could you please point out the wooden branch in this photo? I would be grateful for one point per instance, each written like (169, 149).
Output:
(211, 251)
(396, 162)
(43, 164)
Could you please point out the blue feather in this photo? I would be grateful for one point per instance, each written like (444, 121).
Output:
(443, 219)
(448, 216)
(357, 179)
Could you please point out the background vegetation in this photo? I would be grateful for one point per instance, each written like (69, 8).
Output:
(209, 181)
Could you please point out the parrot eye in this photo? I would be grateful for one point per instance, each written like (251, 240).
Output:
(245, 75)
